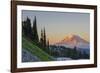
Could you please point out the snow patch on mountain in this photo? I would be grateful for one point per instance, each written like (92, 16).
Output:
(73, 41)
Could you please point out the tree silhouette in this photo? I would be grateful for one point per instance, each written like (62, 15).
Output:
(35, 33)
(26, 28)
(48, 50)
(41, 38)
(44, 38)
(32, 34)
(48, 43)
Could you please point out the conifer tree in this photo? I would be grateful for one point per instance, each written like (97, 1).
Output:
(35, 33)
(41, 38)
(27, 28)
(48, 50)
(44, 38)
(48, 44)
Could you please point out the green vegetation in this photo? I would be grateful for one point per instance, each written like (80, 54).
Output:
(31, 33)
(35, 50)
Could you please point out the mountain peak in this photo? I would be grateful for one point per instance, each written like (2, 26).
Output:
(74, 40)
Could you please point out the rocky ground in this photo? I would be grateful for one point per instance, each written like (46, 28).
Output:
(28, 57)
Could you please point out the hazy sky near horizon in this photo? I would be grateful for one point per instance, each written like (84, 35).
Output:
(59, 24)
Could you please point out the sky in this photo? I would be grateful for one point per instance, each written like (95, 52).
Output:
(60, 24)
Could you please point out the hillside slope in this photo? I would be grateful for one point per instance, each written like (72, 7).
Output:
(35, 50)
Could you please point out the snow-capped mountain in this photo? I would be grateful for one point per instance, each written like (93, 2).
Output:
(72, 41)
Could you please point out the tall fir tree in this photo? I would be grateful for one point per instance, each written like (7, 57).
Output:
(44, 38)
(27, 28)
(48, 50)
(48, 43)
(41, 38)
(35, 33)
